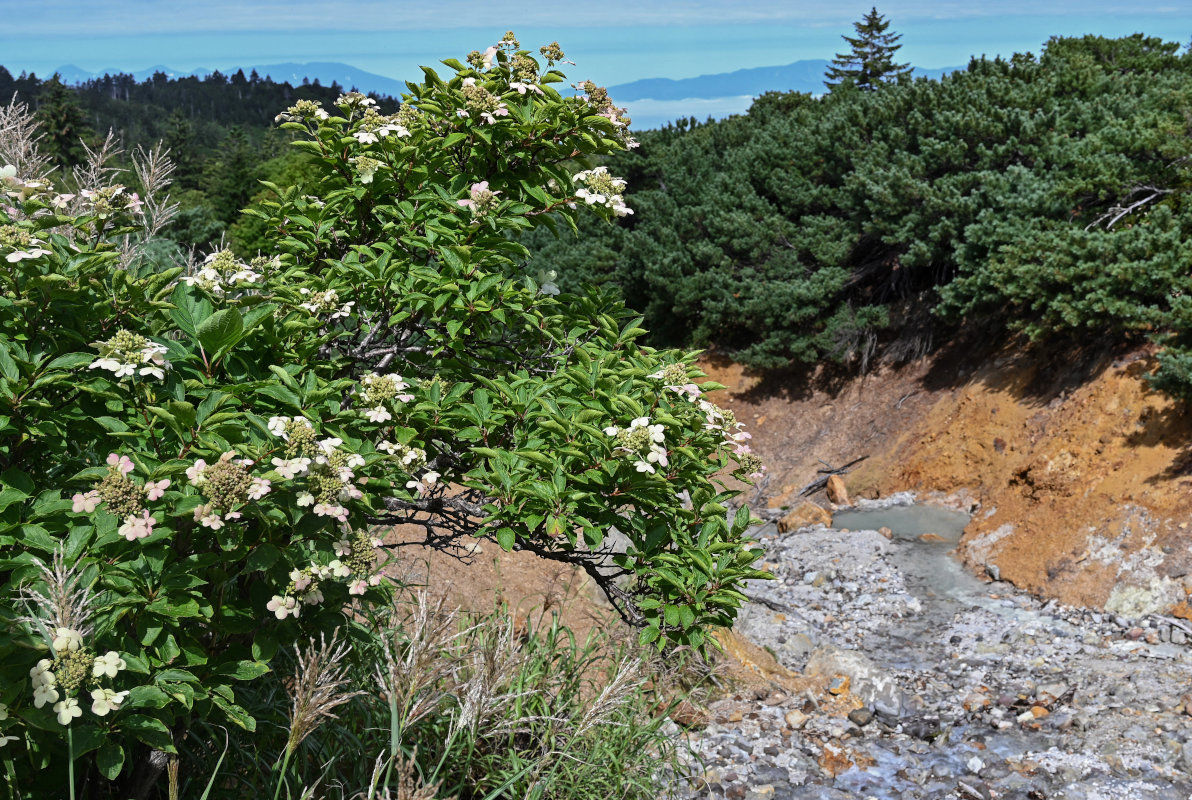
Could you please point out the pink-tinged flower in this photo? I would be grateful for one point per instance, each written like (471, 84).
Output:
(289, 467)
(342, 547)
(123, 463)
(522, 88)
(155, 490)
(688, 390)
(260, 487)
(135, 527)
(301, 580)
(374, 580)
(327, 510)
(339, 569)
(213, 521)
(283, 607)
(358, 586)
(85, 503)
(488, 56)
(312, 597)
(195, 474)
(490, 117)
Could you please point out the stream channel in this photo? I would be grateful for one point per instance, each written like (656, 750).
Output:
(916, 679)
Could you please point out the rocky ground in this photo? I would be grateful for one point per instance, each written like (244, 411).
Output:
(919, 681)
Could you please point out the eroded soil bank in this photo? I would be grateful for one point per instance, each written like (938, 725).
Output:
(1078, 473)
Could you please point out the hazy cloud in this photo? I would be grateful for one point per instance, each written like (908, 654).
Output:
(98, 18)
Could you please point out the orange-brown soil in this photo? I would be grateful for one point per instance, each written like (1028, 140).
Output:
(1079, 472)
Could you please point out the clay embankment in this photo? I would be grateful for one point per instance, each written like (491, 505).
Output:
(1078, 472)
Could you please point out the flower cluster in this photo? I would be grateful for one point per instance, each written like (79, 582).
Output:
(355, 558)
(412, 458)
(643, 441)
(326, 302)
(112, 200)
(378, 393)
(674, 378)
(480, 199)
(329, 469)
(600, 188)
(554, 54)
(366, 168)
(221, 272)
(302, 111)
(226, 485)
(374, 126)
(122, 498)
(598, 96)
(478, 100)
(74, 669)
(127, 354)
(19, 189)
(22, 244)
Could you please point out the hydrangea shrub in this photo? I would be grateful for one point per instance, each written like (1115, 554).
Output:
(199, 466)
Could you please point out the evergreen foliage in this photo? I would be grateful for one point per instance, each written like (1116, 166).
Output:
(1047, 194)
(870, 61)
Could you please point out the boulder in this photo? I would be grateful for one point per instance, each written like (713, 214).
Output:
(873, 687)
(836, 491)
(804, 515)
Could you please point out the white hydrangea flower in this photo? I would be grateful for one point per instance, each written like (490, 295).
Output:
(67, 640)
(105, 701)
(67, 710)
(108, 664)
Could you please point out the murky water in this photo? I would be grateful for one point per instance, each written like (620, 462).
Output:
(906, 522)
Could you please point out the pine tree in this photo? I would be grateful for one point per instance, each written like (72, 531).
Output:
(871, 61)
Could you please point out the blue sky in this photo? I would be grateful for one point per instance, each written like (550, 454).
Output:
(613, 41)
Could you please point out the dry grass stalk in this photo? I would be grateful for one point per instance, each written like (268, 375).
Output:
(410, 784)
(415, 645)
(64, 603)
(319, 687)
(19, 136)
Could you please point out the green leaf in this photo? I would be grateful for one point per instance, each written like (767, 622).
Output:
(110, 760)
(506, 538)
(146, 696)
(242, 670)
(152, 732)
(221, 330)
(235, 713)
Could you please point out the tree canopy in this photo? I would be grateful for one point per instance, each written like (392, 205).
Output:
(870, 60)
(1046, 194)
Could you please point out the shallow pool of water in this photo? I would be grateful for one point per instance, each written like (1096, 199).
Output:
(906, 522)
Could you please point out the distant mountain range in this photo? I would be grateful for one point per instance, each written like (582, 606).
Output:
(801, 76)
(325, 72)
(652, 101)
